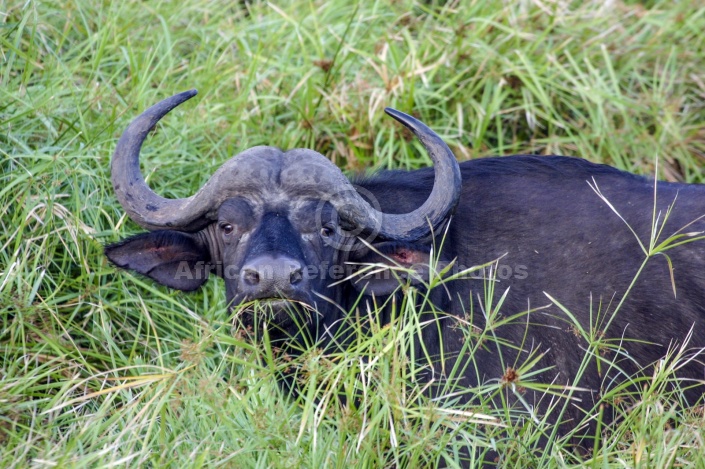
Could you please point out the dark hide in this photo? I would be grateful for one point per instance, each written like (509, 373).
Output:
(556, 237)
(553, 235)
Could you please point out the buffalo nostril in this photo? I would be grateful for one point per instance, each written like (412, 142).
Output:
(296, 277)
(251, 277)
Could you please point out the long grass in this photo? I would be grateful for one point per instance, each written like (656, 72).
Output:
(101, 368)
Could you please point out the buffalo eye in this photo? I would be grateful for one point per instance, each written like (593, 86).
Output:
(227, 228)
(327, 231)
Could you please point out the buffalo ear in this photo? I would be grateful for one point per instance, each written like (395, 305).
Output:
(171, 258)
(404, 262)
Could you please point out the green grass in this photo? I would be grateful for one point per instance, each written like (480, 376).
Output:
(101, 368)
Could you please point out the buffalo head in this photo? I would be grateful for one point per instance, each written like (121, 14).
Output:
(278, 226)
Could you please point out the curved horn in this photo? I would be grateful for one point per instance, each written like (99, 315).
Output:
(251, 170)
(245, 173)
(442, 200)
(445, 194)
(145, 207)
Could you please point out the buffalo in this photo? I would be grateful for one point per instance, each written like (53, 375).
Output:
(580, 251)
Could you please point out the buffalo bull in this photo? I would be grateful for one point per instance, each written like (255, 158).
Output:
(287, 228)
